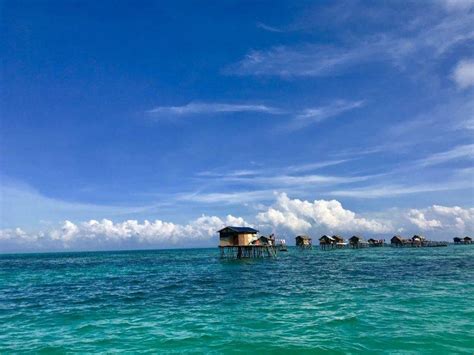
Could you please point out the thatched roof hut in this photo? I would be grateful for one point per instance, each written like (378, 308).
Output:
(467, 240)
(397, 240)
(303, 240)
(375, 242)
(326, 240)
(262, 240)
(357, 242)
(457, 240)
(338, 239)
(418, 238)
(356, 239)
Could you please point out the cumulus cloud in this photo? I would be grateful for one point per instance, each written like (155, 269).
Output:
(95, 234)
(449, 218)
(418, 219)
(285, 215)
(297, 215)
(463, 73)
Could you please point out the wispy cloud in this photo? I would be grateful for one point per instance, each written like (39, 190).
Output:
(297, 181)
(30, 206)
(379, 191)
(458, 5)
(228, 198)
(224, 173)
(319, 114)
(283, 177)
(306, 60)
(203, 108)
(314, 166)
(300, 117)
(456, 153)
(426, 42)
(269, 28)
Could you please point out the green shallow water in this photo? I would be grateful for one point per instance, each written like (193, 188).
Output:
(379, 300)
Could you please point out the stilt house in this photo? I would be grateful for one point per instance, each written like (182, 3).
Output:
(304, 241)
(236, 236)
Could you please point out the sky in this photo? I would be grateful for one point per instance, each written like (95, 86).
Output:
(152, 124)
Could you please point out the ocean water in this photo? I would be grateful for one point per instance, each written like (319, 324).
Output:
(377, 300)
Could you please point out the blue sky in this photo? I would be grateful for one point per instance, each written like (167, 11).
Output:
(317, 117)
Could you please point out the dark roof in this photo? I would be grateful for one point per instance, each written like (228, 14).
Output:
(326, 237)
(468, 238)
(239, 230)
(303, 237)
(372, 240)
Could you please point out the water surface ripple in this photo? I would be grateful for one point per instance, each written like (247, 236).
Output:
(346, 301)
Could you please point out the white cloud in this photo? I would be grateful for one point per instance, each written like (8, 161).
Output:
(450, 219)
(224, 172)
(95, 234)
(378, 191)
(463, 73)
(291, 180)
(316, 115)
(459, 152)
(308, 60)
(286, 214)
(418, 218)
(425, 43)
(200, 108)
(302, 118)
(269, 28)
(283, 219)
(298, 215)
(227, 197)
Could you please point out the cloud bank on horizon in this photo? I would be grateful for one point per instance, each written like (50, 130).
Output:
(287, 217)
(339, 117)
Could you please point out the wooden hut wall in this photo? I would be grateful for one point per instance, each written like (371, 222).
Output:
(226, 239)
(245, 239)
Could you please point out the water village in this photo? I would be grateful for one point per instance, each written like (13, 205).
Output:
(245, 242)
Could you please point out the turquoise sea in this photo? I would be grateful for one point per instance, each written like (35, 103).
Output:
(377, 300)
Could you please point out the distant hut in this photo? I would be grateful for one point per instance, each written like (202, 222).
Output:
(375, 242)
(397, 241)
(458, 240)
(326, 242)
(262, 240)
(467, 240)
(339, 241)
(357, 242)
(417, 240)
(304, 242)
